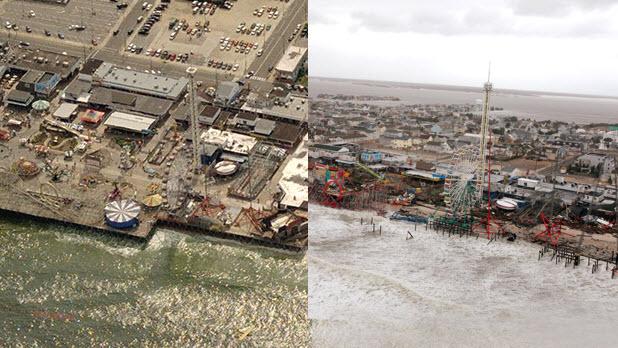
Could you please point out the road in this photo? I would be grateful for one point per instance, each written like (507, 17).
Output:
(275, 47)
(127, 22)
(53, 44)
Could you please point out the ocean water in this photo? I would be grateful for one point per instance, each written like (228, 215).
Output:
(63, 287)
(367, 290)
(533, 105)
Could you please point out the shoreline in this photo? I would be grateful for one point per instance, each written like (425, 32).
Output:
(603, 248)
(415, 292)
(152, 226)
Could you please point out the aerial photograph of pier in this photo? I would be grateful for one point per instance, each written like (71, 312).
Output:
(153, 173)
(460, 211)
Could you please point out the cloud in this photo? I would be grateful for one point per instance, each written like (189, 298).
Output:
(551, 18)
(557, 7)
(532, 44)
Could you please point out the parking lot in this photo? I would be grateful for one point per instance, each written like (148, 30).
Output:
(215, 36)
(97, 18)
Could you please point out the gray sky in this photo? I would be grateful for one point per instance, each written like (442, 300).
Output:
(548, 45)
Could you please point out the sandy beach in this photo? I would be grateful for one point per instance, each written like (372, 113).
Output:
(433, 291)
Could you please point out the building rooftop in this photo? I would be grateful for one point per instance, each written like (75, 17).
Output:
(90, 66)
(140, 82)
(130, 122)
(19, 96)
(43, 60)
(264, 126)
(286, 133)
(249, 116)
(297, 109)
(181, 113)
(209, 149)
(294, 180)
(76, 88)
(65, 110)
(229, 141)
(120, 100)
(227, 90)
(592, 156)
(32, 76)
(292, 57)
(210, 111)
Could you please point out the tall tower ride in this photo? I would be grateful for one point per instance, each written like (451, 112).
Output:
(484, 140)
(194, 123)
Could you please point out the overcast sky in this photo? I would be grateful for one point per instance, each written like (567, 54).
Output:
(547, 45)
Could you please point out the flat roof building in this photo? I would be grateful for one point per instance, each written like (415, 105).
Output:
(31, 77)
(130, 122)
(206, 114)
(27, 59)
(286, 134)
(294, 180)
(39, 82)
(227, 92)
(66, 111)
(18, 98)
(109, 75)
(77, 90)
(291, 62)
(264, 127)
(209, 115)
(210, 153)
(236, 143)
(245, 119)
(295, 109)
(125, 101)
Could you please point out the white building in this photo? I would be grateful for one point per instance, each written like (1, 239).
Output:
(291, 62)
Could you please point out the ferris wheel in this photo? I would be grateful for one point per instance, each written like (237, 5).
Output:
(460, 189)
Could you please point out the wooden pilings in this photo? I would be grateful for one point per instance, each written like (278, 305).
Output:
(572, 256)
(452, 226)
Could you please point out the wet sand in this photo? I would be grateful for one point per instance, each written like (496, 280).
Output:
(368, 290)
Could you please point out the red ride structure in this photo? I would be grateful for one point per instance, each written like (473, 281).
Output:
(333, 192)
(553, 229)
(491, 227)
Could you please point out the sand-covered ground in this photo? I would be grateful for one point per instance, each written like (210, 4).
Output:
(368, 290)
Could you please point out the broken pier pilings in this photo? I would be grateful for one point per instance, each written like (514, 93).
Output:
(572, 256)
(462, 226)
(373, 226)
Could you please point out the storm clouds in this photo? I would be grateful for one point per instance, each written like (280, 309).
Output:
(563, 46)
